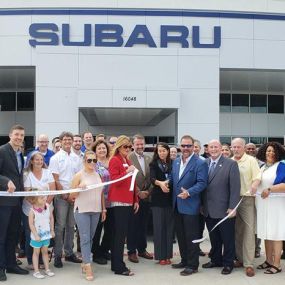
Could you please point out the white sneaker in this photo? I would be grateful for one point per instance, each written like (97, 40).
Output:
(38, 275)
(49, 273)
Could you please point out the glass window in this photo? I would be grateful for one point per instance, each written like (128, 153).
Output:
(258, 103)
(4, 140)
(276, 104)
(150, 139)
(25, 101)
(226, 140)
(276, 139)
(29, 143)
(7, 101)
(258, 140)
(225, 103)
(168, 140)
(240, 103)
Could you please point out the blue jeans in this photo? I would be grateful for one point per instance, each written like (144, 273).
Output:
(86, 223)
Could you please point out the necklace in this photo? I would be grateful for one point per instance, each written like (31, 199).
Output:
(267, 165)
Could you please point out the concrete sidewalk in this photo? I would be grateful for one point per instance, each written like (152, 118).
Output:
(148, 272)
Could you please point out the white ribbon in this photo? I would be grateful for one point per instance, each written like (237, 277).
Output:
(271, 195)
(68, 191)
(221, 221)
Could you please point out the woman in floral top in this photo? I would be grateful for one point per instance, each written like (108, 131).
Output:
(100, 248)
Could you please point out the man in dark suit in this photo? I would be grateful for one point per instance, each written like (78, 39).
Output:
(188, 178)
(11, 179)
(219, 199)
(137, 232)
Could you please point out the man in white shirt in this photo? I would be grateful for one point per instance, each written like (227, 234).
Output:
(63, 165)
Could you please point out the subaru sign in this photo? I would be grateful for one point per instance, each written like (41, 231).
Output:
(111, 35)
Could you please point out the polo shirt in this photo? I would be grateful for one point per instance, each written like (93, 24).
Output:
(249, 171)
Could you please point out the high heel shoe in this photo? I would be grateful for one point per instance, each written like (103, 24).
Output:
(82, 268)
(87, 269)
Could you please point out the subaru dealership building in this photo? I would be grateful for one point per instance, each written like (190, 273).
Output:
(163, 68)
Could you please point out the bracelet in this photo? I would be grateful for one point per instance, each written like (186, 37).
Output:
(269, 189)
(104, 211)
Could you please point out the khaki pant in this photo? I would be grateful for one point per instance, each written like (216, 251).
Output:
(245, 231)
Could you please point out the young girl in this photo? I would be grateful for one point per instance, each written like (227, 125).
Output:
(42, 230)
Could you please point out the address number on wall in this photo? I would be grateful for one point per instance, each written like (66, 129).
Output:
(129, 99)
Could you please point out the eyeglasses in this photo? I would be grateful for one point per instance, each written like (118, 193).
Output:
(89, 160)
(127, 146)
(112, 142)
(186, 145)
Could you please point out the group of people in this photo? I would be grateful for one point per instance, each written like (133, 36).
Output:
(183, 192)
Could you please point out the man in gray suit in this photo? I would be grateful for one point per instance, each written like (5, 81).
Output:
(138, 225)
(11, 179)
(221, 196)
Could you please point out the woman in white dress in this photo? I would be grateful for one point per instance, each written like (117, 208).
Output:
(271, 207)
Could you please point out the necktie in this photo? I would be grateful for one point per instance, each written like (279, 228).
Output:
(212, 168)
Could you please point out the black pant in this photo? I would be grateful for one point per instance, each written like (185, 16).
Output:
(121, 217)
(187, 228)
(101, 249)
(10, 217)
(222, 241)
(137, 231)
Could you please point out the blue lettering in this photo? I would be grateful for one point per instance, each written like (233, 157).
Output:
(66, 36)
(44, 31)
(165, 38)
(135, 38)
(196, 38)
(108, 35)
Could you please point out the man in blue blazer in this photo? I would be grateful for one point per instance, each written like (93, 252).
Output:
(189, 178)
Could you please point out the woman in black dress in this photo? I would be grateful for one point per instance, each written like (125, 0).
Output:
(161, 203)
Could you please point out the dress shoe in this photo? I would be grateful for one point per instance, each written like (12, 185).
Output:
(210, 264)
(133, 258)
(57, 262)
(73, 258)
(178, 265)
(238, 264)
(107, 255)
(17, 270)
(3, 276)
(145, 255)
(168, 262)
(249, 271)
(227, 270)
(162, 262)
(100, 260)
(188, 271)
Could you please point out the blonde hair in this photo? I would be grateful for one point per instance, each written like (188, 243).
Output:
(32, 199)
(122, 140)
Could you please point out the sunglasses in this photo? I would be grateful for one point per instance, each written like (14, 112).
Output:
(112, 142)
(127, 146)
(186, 145)
(89, 160)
